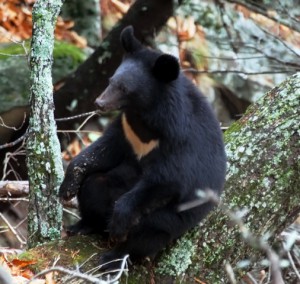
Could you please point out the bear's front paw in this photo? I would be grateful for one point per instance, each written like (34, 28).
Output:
(119, 227)
(68, 190)
(120, 224)
(72, 181)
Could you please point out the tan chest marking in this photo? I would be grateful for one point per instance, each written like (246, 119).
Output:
(140, 148)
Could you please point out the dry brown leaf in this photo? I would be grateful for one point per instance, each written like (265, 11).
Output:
(27, 273)
(16, 23)
(22, 263)
(73, 150)
(18, 267)
(199, 281)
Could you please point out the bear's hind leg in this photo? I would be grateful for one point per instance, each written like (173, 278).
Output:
(143, 243)
(96, 198)
(154, 232)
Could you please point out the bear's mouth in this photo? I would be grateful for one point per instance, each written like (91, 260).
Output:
(107, 108)
(110, 100)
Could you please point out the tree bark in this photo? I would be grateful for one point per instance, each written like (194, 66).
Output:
(43, 150)
(87, 17)
(14, 189)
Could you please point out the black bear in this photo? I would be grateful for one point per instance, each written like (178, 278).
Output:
(164, 147)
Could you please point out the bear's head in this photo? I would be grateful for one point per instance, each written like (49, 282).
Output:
(141, 79)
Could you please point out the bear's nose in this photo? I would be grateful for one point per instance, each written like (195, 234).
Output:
(100, 104)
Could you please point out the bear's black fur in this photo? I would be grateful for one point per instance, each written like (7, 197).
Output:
(163, 148)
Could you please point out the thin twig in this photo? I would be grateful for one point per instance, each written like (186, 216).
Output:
(77, 274)
(251, 278)
(86, 120)
(22, 242)
(293, 265)
(79, 131)
(71, 213)
(87, 260)
(124, 263)
(78, 116)
(192, 70)
(230, 273)
(257, 9)
(278, 39)
(11, 144)
(2, 123)
(73, 273)
(8, 199)
(13, 55)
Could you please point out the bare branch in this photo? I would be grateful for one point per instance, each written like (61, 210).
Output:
(2, 123)
(78, 131)
(12, 229)
(13, 55)
(253, 6)
(293, 265)
(78, 116)
(88, 278)
(14, 188)
(20, 151)
(11, 144)
(192, 70)
(228, 29)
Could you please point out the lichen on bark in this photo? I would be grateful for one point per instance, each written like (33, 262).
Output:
(43, 149)
(263, 151)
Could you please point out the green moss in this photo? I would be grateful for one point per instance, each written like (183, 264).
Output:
(175, 261)
(70, 253)
(14, 80)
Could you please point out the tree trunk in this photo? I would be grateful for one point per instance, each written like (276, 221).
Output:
(87, 17)
(43, 150)
(263, 150)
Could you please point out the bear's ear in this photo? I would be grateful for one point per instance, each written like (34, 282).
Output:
(166, 68)
(129, 41)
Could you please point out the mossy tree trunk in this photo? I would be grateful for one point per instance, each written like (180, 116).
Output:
(263, 150)
(43, 150)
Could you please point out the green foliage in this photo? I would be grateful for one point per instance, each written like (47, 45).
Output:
(66, 51)
(13, 49)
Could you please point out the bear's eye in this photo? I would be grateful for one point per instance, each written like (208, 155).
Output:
(123, 89)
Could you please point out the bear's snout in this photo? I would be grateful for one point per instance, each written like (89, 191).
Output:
(110, 99)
